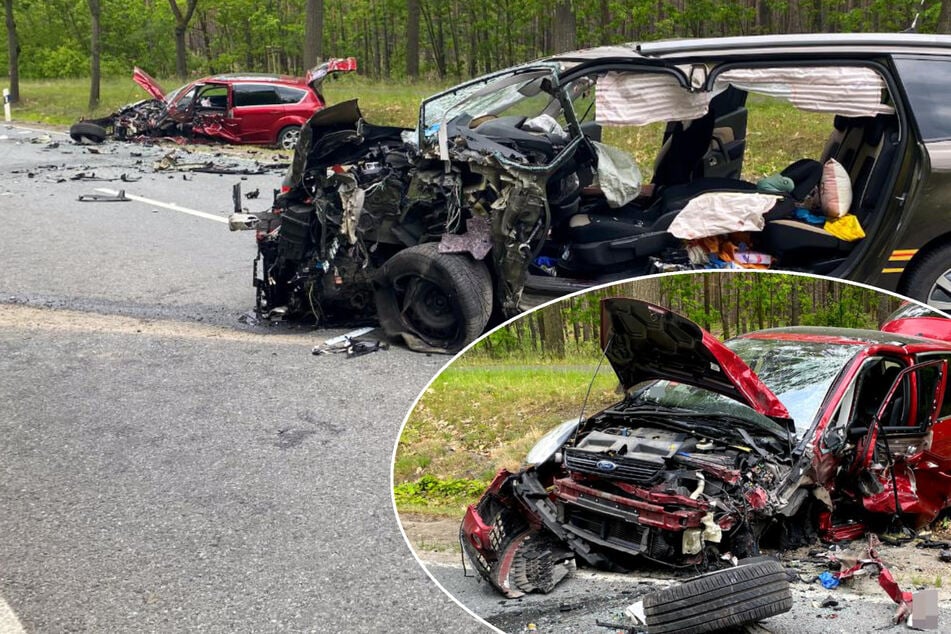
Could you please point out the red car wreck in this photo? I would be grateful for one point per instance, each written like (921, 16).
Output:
(235, 108)
(775, 438)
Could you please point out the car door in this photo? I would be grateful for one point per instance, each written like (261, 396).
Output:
(900, 436)
(257, 106)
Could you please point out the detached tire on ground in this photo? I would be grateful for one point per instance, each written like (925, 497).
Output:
(84, 130)
(726, 598)
(438, 302)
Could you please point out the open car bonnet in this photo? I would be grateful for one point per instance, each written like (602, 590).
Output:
(145, 80)
(645, 342)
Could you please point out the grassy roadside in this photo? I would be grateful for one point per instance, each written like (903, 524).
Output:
(479, 417)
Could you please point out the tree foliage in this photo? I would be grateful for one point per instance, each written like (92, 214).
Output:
(726, 304)
(456, 37)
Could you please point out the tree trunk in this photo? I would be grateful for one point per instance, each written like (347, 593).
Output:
(564, 28)
(313, 33)
(94, 13)
(13, 53)
(412, 38)
(553, 331)
(181, 27)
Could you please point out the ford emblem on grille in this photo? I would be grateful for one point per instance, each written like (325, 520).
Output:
(606, 465)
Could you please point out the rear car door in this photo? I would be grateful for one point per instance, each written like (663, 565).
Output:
(257, 107)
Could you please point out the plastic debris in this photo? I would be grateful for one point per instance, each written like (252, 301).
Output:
(828, 580)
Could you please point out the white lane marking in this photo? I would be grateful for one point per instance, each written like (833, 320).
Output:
(36, 130)
(9, 623)
(158, 203)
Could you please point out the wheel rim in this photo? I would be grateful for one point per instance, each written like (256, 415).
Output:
(940, 294)
(289, 138)
(427, 308)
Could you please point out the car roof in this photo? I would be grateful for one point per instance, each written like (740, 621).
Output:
(257, 77)
(843, 336)
(798, 43)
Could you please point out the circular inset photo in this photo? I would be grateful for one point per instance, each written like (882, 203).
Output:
(694, 452)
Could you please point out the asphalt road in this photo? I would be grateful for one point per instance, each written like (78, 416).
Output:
(164, 466)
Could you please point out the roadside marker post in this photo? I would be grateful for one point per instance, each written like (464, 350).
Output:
(6, 105)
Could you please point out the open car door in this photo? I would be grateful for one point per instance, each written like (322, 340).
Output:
(918, 477)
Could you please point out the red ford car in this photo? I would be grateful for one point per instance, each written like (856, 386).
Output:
(775, 438)
(236, 108)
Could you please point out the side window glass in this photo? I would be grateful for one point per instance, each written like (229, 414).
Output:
(928, 381)
(255, 95)
(928, 84)
(213, 98)
(288, 95)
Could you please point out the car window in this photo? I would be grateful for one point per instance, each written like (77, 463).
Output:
(255, 95)
(928, 84)
(929, 379)
(214, 97)
(288, 95)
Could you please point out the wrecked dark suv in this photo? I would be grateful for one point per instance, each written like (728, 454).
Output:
(775, 437)
(520, 183)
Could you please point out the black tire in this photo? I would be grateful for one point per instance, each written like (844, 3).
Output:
(438, 302)
(930, 278)
(721, 599)
(287, 138)
(87, 131)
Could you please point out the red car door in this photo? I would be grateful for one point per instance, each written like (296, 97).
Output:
(257, 107)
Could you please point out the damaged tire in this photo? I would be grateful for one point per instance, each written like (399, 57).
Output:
(726, 598)
(86, 131)
(438, 302)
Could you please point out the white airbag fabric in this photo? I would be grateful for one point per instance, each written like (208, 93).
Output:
(618, 175)
(642, 98)
(850, 91)
(716, 213)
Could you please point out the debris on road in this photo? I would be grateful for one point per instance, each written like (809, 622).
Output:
(104, 198)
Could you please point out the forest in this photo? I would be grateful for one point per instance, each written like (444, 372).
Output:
(394, 39)
(724, 304)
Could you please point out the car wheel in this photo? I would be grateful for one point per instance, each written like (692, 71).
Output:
(438, 302)
(718, 600)
(287, 138)
(85, 131)
(930, 279)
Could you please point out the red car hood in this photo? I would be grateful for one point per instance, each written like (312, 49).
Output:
(145, 80)
(645, 342)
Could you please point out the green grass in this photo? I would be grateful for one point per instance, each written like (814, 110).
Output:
(479, 417)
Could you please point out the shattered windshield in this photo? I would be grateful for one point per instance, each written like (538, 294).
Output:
(799, 373)
(523, 93)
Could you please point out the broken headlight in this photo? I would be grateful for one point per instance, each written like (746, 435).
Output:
(551, 442)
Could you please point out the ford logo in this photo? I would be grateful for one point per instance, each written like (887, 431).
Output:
(606, 465)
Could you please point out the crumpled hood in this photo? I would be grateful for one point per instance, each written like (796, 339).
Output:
(148, 84)
(646, 342)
